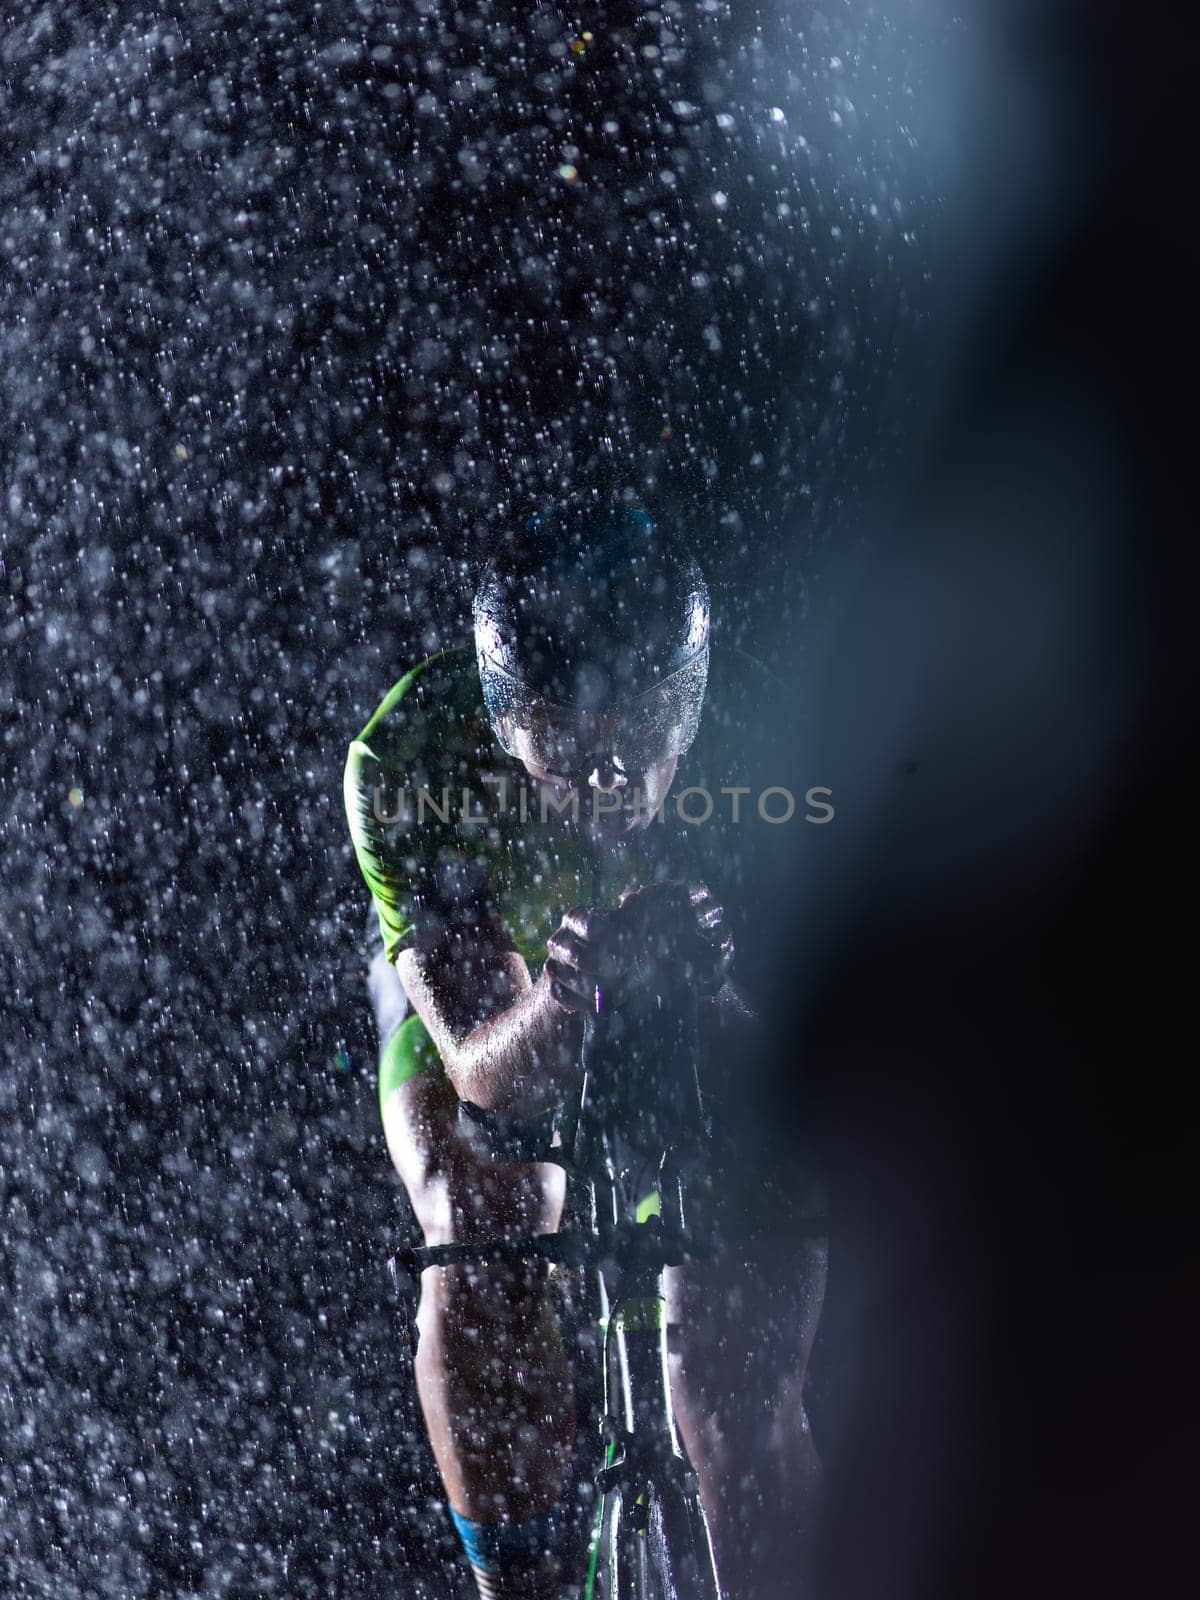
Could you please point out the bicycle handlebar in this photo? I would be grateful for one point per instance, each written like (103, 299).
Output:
(651, 1245)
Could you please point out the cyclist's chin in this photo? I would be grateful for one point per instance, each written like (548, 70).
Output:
(611, 825)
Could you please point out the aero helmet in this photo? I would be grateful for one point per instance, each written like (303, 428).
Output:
(591, 633)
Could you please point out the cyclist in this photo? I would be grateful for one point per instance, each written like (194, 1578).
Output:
(487, 798)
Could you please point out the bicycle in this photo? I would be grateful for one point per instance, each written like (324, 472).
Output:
(631, 1118)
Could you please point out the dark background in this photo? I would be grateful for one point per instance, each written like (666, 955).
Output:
(297, 314)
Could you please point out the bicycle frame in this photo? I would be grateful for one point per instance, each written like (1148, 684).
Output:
(644, 1460)
(645, 1473)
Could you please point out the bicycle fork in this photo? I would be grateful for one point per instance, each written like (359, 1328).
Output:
(650, 1516)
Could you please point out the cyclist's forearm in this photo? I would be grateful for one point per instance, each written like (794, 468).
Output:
(522, 1060)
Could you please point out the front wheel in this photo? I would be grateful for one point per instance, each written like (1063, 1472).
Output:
(680, 1549)
(671, 1559)
(620, 1569)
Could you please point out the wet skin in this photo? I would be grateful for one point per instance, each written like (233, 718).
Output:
(613, 804)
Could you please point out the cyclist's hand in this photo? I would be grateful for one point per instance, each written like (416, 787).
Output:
(590, 949)
(680, 925)
(714, 939)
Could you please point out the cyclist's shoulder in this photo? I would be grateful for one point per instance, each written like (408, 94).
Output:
(431, 702)
(439, 676)
(740, 685)
(735, 758)
(738, 702)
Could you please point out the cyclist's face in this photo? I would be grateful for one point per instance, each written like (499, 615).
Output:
(613, 803)
(611, 765)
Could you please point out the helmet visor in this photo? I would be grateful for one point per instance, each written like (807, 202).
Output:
(654, 727)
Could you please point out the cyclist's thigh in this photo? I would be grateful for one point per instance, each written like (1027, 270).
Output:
(745, 1324)
(749, 1315)
(458, 1195)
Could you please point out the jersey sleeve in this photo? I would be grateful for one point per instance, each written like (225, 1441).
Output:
(403, 793)
(372, 788)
